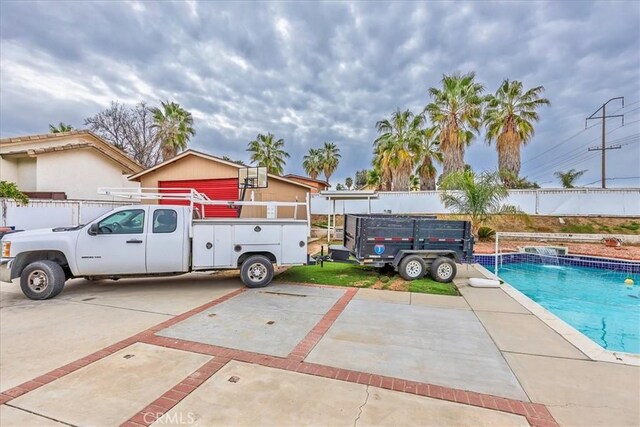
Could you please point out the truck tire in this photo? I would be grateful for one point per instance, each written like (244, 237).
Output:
(443, 270)
(256, 271)
(412, 267)
(42, 280)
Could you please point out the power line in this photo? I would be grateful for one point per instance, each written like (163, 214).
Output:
(569, 155)
(555, 147)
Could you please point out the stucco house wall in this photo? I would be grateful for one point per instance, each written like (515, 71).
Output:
(90, 169)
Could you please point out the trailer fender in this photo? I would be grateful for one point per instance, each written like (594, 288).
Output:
(426, 254)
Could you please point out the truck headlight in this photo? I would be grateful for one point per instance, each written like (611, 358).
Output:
(6, 249)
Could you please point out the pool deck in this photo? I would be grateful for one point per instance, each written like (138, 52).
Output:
(580, 383)
(187, 349)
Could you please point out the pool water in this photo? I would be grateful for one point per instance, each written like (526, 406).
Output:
(594, 301)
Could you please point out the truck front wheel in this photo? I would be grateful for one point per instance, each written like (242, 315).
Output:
(42, 280)
(412, 267)
(256, 271)
(443, 270)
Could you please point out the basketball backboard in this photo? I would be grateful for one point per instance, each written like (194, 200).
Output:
(252, 177)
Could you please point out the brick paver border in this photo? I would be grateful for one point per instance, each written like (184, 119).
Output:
(536, 414)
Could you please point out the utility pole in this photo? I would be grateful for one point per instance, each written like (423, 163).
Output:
(604, 148)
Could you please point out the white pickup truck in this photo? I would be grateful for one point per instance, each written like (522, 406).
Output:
(149, 240)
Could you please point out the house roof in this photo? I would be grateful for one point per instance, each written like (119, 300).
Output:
(206, 156)
(306, 178)
(11, 147)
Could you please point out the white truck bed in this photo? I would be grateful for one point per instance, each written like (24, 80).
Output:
(221, 243)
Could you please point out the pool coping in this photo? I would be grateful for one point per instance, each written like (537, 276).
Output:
(583, 343)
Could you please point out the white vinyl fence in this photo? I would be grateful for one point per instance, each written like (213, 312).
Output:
(610, 202)
(52, 213)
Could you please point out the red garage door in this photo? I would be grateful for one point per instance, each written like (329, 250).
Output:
(215, 189)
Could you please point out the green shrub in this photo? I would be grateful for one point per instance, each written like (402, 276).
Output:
(486, 234)
(10, 191)
(578, 229)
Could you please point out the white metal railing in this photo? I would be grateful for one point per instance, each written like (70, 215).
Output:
(197, 199)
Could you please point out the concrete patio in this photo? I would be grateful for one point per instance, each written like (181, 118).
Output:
(186, 351)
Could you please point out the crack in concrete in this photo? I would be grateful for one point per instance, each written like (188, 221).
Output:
(40, 415)
(361, 407)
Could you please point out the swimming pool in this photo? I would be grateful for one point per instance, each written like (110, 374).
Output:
(595, 301)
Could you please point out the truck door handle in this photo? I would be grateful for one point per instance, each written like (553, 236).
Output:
(134, 241)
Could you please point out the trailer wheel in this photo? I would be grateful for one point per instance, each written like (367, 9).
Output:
(256, 271)
(42, 280)
(412, 267)
(443, 270)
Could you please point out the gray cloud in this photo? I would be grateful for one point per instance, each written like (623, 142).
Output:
(323, 72)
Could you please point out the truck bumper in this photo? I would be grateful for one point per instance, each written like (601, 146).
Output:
(5, 269)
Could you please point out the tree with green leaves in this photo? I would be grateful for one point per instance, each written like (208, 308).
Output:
(60, 127)
(10, 190)
(312, 162)
(414, 183)
(361, 178)
(568, 178)
(229, 159)
(509, 118)
(268, 152)
(348, 182)
(374, 179)
(455, 112)
(330, 155)
(174, 126)
(478, 196)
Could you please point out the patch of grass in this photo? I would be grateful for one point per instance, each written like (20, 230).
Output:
(578, 228)
(632, 226)
(331, 274)
(338, 274)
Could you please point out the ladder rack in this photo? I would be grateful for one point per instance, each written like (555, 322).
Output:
(198, 200)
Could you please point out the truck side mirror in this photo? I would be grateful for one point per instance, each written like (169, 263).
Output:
(94, 229)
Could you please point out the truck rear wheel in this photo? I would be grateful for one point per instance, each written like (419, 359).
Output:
(443, 270)
(42, 280)
(412, 267)
(256, 271)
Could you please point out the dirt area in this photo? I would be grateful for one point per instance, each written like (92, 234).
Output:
(593, 249)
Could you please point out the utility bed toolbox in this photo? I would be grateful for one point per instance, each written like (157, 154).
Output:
(380, 238)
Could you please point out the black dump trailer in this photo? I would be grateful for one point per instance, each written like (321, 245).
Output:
(413, 245)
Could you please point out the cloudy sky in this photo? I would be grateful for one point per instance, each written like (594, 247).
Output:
(326, 71)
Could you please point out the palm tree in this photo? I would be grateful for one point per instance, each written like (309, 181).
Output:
(428, 154)
(348, 182)
(476, 195)
(456, 114)
(268, 152)
(568, 178)
(330, 155)
(174, 127)
(312, 162)
(396, 148)
(509, 119)
(414, 183)
(61, 127)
